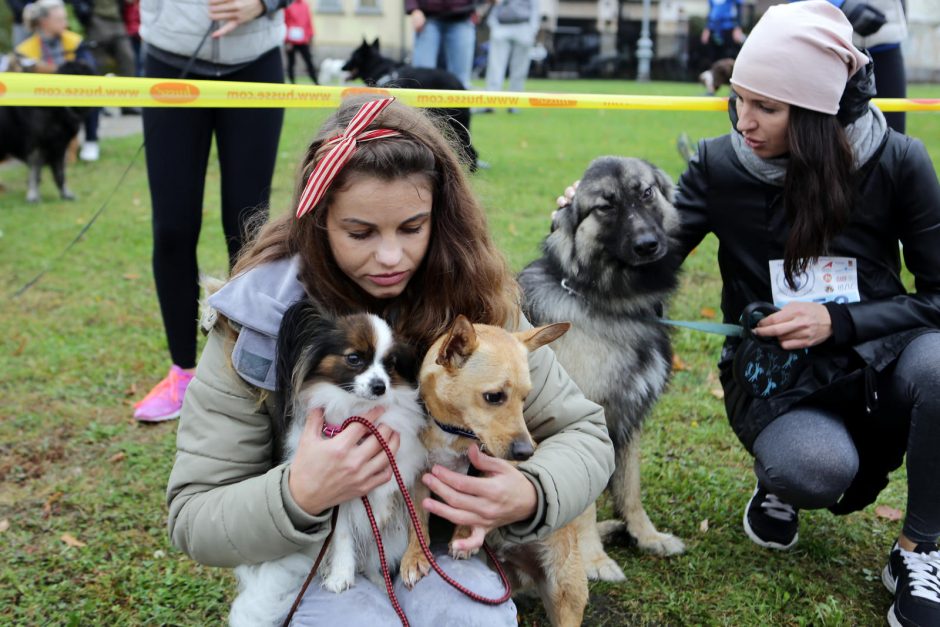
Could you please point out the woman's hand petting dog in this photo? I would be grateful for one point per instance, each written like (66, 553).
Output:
(500, 497)
(326, 472)
(233, 13)
(797, 325)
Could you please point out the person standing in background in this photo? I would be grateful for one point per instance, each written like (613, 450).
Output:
(106, 35)
(131, 14)
(245, 46)
(447, 25)
(722, 33)
(299, 38)
(880, 27)
(513, 26)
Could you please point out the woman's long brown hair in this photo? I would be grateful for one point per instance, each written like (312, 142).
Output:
(818, 190)
(462, 272)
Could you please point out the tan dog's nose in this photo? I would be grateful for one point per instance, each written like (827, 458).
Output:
(521, 450)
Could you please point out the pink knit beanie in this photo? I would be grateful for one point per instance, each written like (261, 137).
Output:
(800, 54)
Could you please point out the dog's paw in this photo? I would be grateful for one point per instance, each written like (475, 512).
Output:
(603, 568)
(32, 197)
(67, 195)
(414, 568)
(462, 554)
(661, 544)
(337, 583)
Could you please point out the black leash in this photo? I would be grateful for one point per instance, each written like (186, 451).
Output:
(97, 214)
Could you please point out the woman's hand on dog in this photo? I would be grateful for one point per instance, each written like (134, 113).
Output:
(326, 472)
(501, 496)
(797, 325)
(233, 13)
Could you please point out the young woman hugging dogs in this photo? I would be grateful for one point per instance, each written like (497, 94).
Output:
(383, 222)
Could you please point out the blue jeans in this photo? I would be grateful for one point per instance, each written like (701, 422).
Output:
(459, 41)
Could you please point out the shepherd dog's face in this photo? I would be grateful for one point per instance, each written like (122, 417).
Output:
(623, 208)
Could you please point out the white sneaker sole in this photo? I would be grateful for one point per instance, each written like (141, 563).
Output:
(764, 543)
(172, 416)
(892, 619)
(890, 582)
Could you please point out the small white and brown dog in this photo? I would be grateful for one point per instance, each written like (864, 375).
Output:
(347, 366)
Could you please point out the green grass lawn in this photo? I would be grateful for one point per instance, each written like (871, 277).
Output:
(80, 347)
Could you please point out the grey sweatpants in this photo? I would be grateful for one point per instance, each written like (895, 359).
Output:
(432, 603)
(808, 459)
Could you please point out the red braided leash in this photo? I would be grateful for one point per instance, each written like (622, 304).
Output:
(421, 540)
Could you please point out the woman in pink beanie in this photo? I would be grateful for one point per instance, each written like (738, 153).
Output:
(808, 197)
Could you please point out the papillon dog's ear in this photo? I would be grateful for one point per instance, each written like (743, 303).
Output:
(459, 344)
(301, 322)
(405, 362)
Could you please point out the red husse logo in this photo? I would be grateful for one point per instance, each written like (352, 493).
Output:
(3, 89)
(174, 93)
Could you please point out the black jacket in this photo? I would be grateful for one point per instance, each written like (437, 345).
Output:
(898, 199)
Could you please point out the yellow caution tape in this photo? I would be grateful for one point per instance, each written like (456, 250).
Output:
(22, 89)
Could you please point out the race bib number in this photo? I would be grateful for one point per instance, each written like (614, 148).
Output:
(830, 279)
(295, 34)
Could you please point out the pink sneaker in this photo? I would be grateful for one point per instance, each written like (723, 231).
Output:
(166, 399)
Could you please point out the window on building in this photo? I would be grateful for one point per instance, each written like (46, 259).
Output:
(330, 7)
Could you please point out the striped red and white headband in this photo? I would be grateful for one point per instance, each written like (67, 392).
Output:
(343, 148)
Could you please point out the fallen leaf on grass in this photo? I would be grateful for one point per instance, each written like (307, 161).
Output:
(47, 508)
(717, 393)
(888, 513)
(4, 525)
(512, 230)
(130, 276)
(703, 526)
(677, 364)
(707, 312)
(117, 457)
(72, 541)
(131, 391)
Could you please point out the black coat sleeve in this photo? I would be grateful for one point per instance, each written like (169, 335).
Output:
(917, 203)
(692, 203)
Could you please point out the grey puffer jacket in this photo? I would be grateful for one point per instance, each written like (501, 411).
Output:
(229, 504)
(178, 26)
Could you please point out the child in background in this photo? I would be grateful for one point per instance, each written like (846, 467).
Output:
(299, 37)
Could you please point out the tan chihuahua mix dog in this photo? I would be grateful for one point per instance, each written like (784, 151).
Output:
(474, 380)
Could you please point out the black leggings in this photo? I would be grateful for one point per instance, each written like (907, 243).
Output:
(304, 51)
(807, 457)
(177, 149)
(891, 82)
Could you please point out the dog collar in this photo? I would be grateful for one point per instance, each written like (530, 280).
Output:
(464, 433)
(571, 291)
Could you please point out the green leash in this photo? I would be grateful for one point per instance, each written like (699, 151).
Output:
(718, 328)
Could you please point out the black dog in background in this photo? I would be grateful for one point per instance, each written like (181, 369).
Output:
(368, 64)
(41, 136)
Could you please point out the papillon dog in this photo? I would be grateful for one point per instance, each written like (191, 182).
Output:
(347, 366)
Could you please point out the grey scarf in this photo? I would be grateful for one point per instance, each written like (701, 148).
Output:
(865, 136)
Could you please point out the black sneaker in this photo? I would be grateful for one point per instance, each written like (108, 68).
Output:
(770, 522)
(914, 579)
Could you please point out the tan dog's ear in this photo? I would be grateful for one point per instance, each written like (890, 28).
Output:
(460, 343)
(540, 336)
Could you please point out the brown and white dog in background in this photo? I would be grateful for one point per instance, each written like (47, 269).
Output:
(717, 76)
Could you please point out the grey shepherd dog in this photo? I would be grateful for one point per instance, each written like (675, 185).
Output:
(608, 266)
